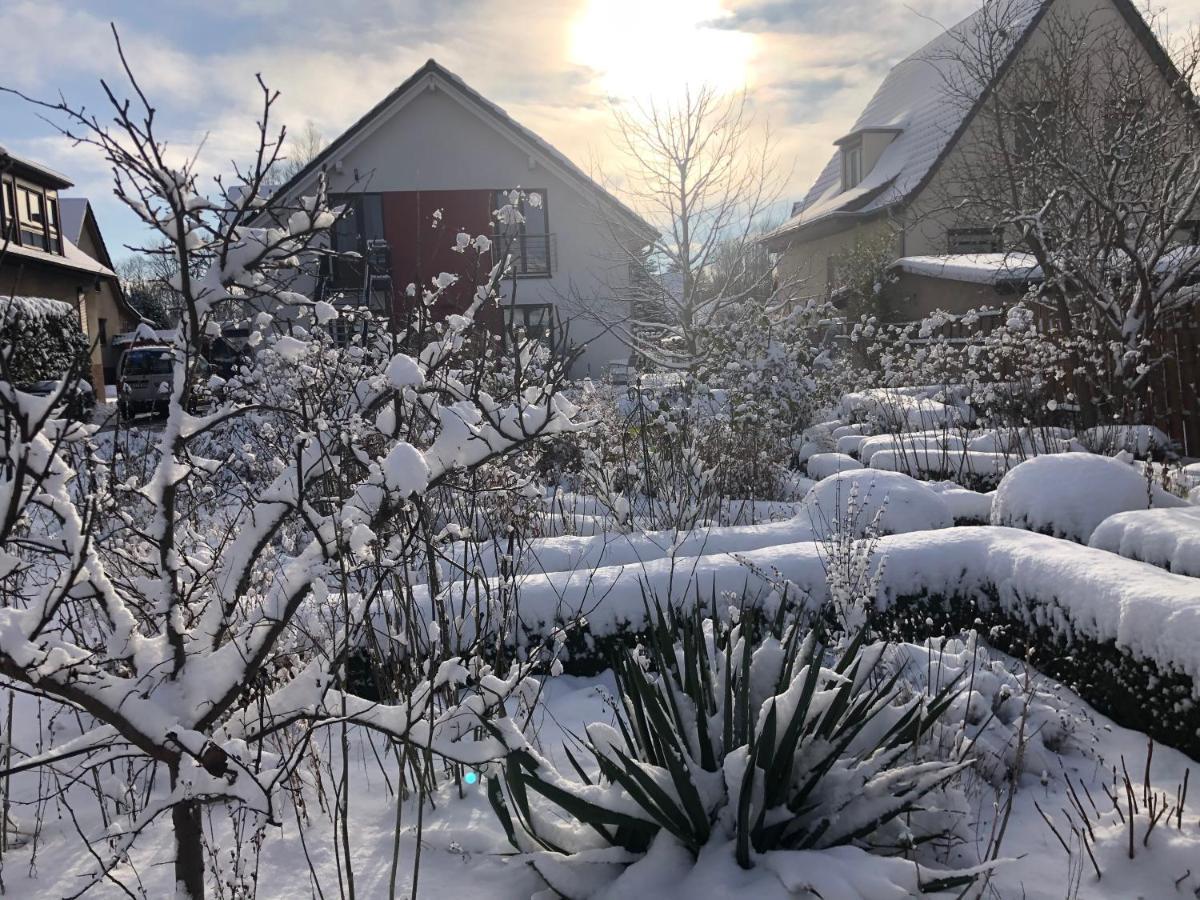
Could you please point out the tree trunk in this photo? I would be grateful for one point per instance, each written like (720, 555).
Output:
(189, 850)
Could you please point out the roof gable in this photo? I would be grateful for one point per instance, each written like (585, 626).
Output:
(438, 75)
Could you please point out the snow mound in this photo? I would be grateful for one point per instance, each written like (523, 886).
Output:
(1067, 494)
(907, 504)
(822, 465)
(849, 444)
(926, 443)
(967, 507)
(966, 465)
(1168, 538)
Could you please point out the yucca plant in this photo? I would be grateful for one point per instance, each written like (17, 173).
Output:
(750, 726)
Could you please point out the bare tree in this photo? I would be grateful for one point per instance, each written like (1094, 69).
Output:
(195, 612)
(299, 151)
(1086, 155)
(701, 170)
(146, 279)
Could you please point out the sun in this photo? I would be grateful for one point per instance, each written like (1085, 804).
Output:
(655, 48)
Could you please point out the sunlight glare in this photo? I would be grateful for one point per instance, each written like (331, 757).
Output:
(654, 48)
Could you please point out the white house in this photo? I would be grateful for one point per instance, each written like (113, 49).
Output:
(436, 144)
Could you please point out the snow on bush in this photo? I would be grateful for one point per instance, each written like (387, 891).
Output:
(1023, 442)
(927, 443)
(822, 465)
(1067, 494)
(849, 444)
(1141, 440)
(894, 409)
(1169, 538)
(969, 467)
(968, 507)
(901, 503)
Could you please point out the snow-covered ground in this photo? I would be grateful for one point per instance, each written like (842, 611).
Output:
(1116, 565)
(464, 852)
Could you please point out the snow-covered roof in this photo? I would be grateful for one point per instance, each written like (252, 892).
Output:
(433, 69)
(975, 268)
(43, 173)
(1002, 268)
(72, 258)
(914, 102)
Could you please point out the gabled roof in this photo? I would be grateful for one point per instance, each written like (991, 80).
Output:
(432, 70)
(913, 103)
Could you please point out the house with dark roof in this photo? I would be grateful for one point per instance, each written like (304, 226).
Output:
(891, 179)
(435, 158)
(51, 247)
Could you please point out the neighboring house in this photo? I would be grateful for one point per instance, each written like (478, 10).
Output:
(108, 312)
(890, 176)
(52, 247)
(436, 144)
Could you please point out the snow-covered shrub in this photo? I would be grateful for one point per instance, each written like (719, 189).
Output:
(1143, 441)
(1067, 494)
(893, 409)
(41, 340)
(895, 503)
(1169, 538)
(822, 465)
(966, 506)
(748, 730)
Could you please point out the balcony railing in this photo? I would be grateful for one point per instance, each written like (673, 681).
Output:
(532, 254)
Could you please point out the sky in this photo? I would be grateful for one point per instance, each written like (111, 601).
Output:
(556, 66)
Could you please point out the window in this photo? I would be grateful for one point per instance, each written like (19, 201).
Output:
(852, 165)
(354, 231)
(529, 243)
(974, 240)
(536, 320)
(102, 328)
(34, 217)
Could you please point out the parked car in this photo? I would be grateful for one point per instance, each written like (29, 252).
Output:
(144, 379)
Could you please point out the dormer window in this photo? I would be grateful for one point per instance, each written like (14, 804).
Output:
(852, 165)
(29, 216)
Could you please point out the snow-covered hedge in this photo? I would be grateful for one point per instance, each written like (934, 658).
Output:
(1124, 634)
(46, 336)
(822, 465)
(901, 503)
(1169, 538)
(1067, 494)
(969, 468)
